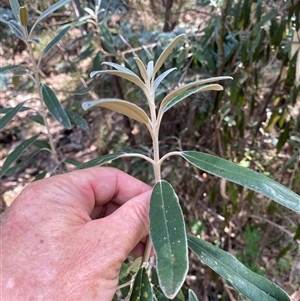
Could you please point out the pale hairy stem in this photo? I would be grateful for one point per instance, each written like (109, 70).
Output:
(157, 171)
(125, 284)
(42, 106)
(175, 153)
(154, 131)
(136, 155)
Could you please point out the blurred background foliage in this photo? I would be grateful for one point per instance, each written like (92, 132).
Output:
(254, 122)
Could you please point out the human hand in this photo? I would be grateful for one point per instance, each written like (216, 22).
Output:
(65, 237)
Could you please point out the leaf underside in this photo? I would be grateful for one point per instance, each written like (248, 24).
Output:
(99, 161)
(11, 114)
(192, 296)
(121, 106)
(16, 153)
(54, 106)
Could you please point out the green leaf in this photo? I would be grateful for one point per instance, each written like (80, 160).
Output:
(106, 38)
(54, 106)
(178, 91)
(123, 271)
(6, 110)
(97, 60)
(82, 91)
(167, 232)
(284, 251)
(15, 27)
(40, 176)
(47, 12)
(99, 161)
(72, 162)
(77, 119)
(84, 40)
(253, 286)
(16, 153)
(264, 19)
(162, 77)
(121, 106)
(21, 73)
(86, 51)
(11, 114)
(192, 296)
(130, 77)
(245, 177)
(11, 68)
(15, 7)
(13, 170)
(134, 267)
(297, 233)
(283, 137)
(161, 297)
(37, 118)
(42, 144)
(142, 290)
(166, 53)
(58, 37)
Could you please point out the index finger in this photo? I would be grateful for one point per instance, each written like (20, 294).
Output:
(97, 186)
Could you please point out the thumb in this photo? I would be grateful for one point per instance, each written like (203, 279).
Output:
(126, 226)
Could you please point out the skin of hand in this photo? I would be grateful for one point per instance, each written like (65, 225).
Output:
(65, 237)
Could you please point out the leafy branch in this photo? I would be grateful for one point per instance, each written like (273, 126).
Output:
(167, 227)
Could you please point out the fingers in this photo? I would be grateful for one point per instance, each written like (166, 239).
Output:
(88, 188)
(81, 192)
(125, 227)
(106, 184)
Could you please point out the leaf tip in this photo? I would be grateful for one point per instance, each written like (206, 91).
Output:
(86, 105)
(92, 74)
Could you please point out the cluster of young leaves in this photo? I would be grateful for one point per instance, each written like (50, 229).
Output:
(167, 226)
(253, 38)
(25, 31)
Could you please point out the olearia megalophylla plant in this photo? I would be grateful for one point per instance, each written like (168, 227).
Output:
(167, 228)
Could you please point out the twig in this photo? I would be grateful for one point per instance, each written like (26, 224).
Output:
(267, 101)
(152, 45)
(185, 70)
(227, 289)
(273, 224)
(294, 172)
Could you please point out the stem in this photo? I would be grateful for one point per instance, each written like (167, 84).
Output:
(137, 155)
(174, 153)
(125, 284)
(154, 131)
(42, 106)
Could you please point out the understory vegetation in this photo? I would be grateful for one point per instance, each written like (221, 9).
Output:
(253, 122)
